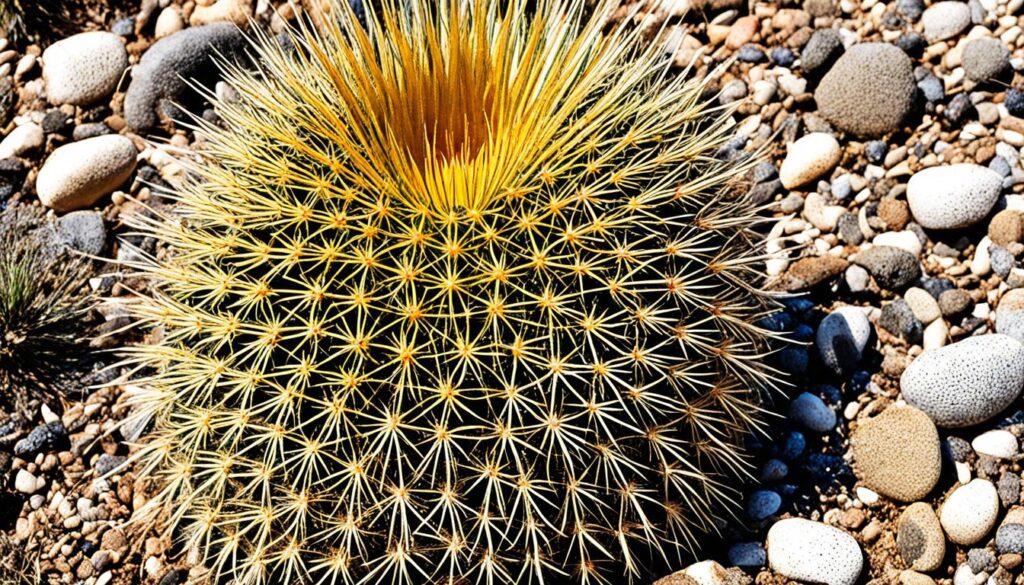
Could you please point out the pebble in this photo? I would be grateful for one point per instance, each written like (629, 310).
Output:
(27, 483)
(944, 20)
(809, 158)
(923, 304)
(747, 555)
(898, 318)
(811, 551)
(842, 337)
(850, 97)
(985, 58)
(953, 196)
(996, 443)
(233, 11)
(898, 454)
(904, 240)
(892, 268)
(169, 22)
(970, 512)
(763, 504)
(84, 68)
(1010, 539)
(809, 272)
(24, 138)
(967, 382)
(1006, 227)
(160, 77)
(1009, 315)
(83, 231)
(821, 50)
(812, 413)
(78, 174)
(42, 438)
(919, 538)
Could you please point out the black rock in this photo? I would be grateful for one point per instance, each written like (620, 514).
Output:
(898, 319)
(893, 268)
(1014, 102)
(46, 437)
(958, 108)
(57, 121)
(174, 577)
(821, 50)
(911, 9)
(912, 44)
(163, 74)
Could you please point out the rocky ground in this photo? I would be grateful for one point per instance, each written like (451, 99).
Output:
(892, 175)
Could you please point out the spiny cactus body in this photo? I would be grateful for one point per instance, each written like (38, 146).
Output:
(460, 297)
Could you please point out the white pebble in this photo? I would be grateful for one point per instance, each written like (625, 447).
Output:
(27, 483)
(996, 443)
(953, 196)
(76, 175)
(809, 158)
(810, 551)
(22, 139)
(84, 68)
(970, 512)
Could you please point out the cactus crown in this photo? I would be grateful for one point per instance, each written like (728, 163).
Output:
(460, 297)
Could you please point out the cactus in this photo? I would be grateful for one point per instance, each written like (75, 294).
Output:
(43, 324)
(463, 296)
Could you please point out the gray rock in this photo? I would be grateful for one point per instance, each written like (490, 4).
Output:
(78, 174)
(853, 97)
(944, 20)
(162, 74)
(842, 337)
(1008, 487)
(1001, 259)
(898, 318)
(822, 49)
(83, 231)
(981, 559)
(811, 551)
(84, 68)
(954, 302)
(985, 58)
(42, 438)
(893, 268)
(967, 382)
(812, 413)
(953, 196)
(1010, 314)
(1010, 539)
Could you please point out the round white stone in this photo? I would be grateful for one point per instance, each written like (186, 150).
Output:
(809, 158)
(953, 196)
(968, 382)
(905, 240)
(84, 68)
(76, 175)
(998, 443)
(944, 20)
(970, 512)
(810, 551)
(22, 139)
(842, 337)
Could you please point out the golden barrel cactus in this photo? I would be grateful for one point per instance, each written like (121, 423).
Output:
(462, 296)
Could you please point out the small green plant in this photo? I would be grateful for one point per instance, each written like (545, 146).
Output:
(43, 307)
(463, 296)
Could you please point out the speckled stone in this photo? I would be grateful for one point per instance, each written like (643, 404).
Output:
(824, 46)
(851, 98)
(809, 272)
(76, 175)
(967, 382)
(84, 68)
(897, 453)
(809, 158)
(1006, 227)
(893, 268)
(919, 538)
(944, 20)
(970, 512)
(954, 302)
(812, 413)
(1010, 539)
(985, 58)
(842, 337)
(953, 196)
(924, 305)
(1009, 314)
(811, 551)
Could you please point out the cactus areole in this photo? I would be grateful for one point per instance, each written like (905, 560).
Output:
(458, 297)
